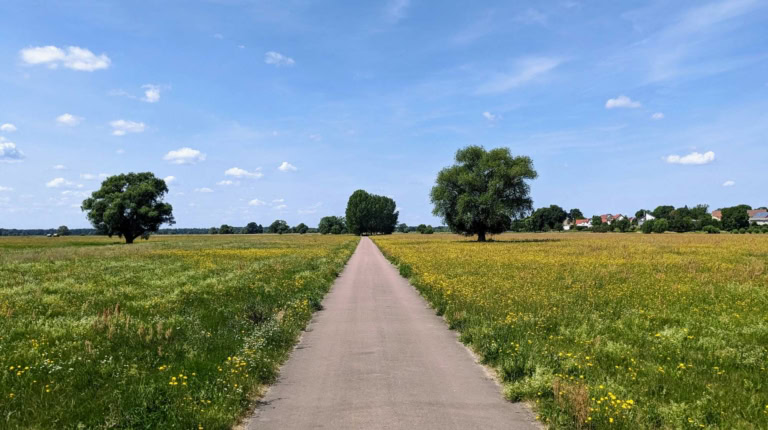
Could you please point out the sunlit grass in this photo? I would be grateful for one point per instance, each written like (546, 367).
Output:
(614, 331)
(176, 332)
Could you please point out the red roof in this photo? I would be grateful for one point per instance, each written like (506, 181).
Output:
(582, 221)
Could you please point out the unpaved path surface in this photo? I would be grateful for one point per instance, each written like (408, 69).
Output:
(377, 357)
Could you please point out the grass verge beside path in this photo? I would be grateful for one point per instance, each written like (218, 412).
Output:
(176, 332)
(608, 331)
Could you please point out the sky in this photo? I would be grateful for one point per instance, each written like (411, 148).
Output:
(280, 109)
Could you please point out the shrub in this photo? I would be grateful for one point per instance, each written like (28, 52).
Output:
(660, 226)
(710, 229)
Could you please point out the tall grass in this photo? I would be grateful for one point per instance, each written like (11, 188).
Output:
(176, 332)
(609, 331)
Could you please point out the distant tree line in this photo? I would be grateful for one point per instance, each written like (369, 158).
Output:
(665, 218)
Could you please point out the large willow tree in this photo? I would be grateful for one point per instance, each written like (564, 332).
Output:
(129, 206)
(483, 192)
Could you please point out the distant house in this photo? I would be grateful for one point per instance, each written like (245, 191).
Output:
(610, 218)
(759, 217)
(644, 218)
(586, 223)
(718, 215)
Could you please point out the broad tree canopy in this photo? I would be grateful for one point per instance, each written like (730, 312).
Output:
(484, 191)
(129, 205)
(332, 225)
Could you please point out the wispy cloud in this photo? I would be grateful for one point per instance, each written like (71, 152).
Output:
(242, 173)
(184, 156)
(287, 167)
(60, 183)
(256, 202)
(151, 93)
(203, 190)
(7, 128)
(490, 117)
(310, 209)
(9, 152)
(68, 119)
(694, 44)
(526, 70)
(729, 183)
(657, 116)
(692, 158)
(71, 57)
(622, 102)
(121, 127)
(277, 59)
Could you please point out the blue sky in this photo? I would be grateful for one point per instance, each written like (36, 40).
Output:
(261, 110)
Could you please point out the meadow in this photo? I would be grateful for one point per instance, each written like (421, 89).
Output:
(608, 331)
(174, 332)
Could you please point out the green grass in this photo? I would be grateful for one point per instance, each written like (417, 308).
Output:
(176, 332)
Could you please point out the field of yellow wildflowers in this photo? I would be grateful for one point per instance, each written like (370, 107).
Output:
(176, 332)
(609, 331)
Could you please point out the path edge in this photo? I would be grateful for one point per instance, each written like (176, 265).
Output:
(491, 372)
(260, 391)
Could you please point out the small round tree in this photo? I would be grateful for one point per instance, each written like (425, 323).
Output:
(129, 206)
(483, 192)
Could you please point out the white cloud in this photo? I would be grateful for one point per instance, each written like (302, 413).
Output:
(242, 173)
(526, 70)
(203, 190)
(278, 59)
(120, 127)
(68, 119)
(490, 117)
(59, 182)
(218, 36)
(256, 202)
(151, 93)
(87, 176)
(169, 179)
(622, 102)
(287, 167)
(73, 57)
(75, 193)
(657, 116)
(2, 188)
(60, 167)
(396, 9)
(729, 183)
(227, 182)
(278, 200)
(7, 127)
(280, 207)
(692, 158)
(9, 152)
(184, 156)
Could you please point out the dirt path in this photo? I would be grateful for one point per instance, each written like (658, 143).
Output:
(377, 357)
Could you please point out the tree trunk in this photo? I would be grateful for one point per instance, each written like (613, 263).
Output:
(481, 236)
(129, 239)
